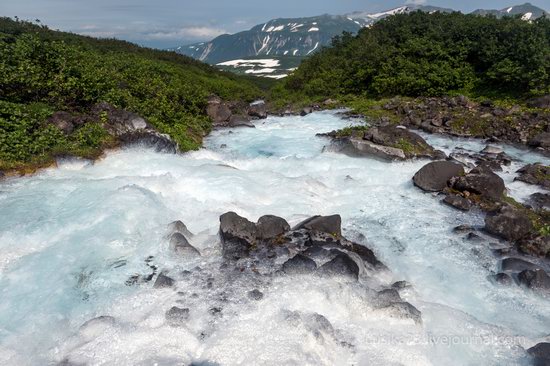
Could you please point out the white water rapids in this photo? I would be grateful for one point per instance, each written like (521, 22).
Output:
(70, 237)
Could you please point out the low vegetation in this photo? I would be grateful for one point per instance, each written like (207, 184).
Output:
(422, 54)
(44, 71)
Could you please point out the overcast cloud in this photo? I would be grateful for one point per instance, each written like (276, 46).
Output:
(167, 23)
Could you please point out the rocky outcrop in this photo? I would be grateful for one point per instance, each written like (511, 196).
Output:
(218, 111)
(508, 223)
(130, 128)
(535, 174)
(240, 121)
(459, 116)
(435, 176)
(258, 110)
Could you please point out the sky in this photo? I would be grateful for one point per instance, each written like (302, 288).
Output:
(170, 23)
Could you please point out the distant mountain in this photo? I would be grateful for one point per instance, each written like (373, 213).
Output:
(278, 37)
(527, 11)
(300, 37)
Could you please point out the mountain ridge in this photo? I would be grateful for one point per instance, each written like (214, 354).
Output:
(300, 37)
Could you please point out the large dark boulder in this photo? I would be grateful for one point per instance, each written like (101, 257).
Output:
(412, 144)
(535, 174)
(434, 176)
(299, 264)
(540, 354)
(508, 223)
(535, 279)
(258, 109)
(327, 224)
(481, 181)
(341, 265)
(270, 226)
(238, 235)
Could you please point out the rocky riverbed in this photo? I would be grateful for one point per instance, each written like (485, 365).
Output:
(269, 246)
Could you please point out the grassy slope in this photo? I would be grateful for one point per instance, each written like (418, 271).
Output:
(43, 71)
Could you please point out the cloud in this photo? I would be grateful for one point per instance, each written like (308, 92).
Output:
(191, 32)
(150, 32)
(416, 2)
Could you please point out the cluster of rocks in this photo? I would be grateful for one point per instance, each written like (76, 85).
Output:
(464, 188)
(126, 127)
(460, 116)
(253, 253)
(387, 142)
(235, 114)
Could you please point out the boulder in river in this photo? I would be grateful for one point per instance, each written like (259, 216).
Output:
(509, 223)
(483, 182)
(434, 176)
(163, 281)
(458, 202)
(326, 224)
(410, 143)
(305, 111)
(180, 245)
(270, 227)
(176, 316)
(540, 354)
(540, 201)
(535, 174)
(258, 109)
(535, 279)
(238, 235)
(341, 265)
(179, 227)
(517, 265)
(240, 121)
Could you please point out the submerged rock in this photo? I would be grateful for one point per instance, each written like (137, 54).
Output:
(163, 281)
(177, 316)
(503, 279)
(535, 279)
(434, 176)
(403, 310)
(180, 245)
(179, 227)
(341, 265)
(255, 295)
(299, 264)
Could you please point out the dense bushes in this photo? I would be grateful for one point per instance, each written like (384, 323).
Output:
(43, 71)
(422, 54)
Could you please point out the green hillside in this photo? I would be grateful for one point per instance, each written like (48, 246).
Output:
(44, 71)
(422, 54)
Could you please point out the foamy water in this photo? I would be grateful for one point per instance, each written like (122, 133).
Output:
(71, 237)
